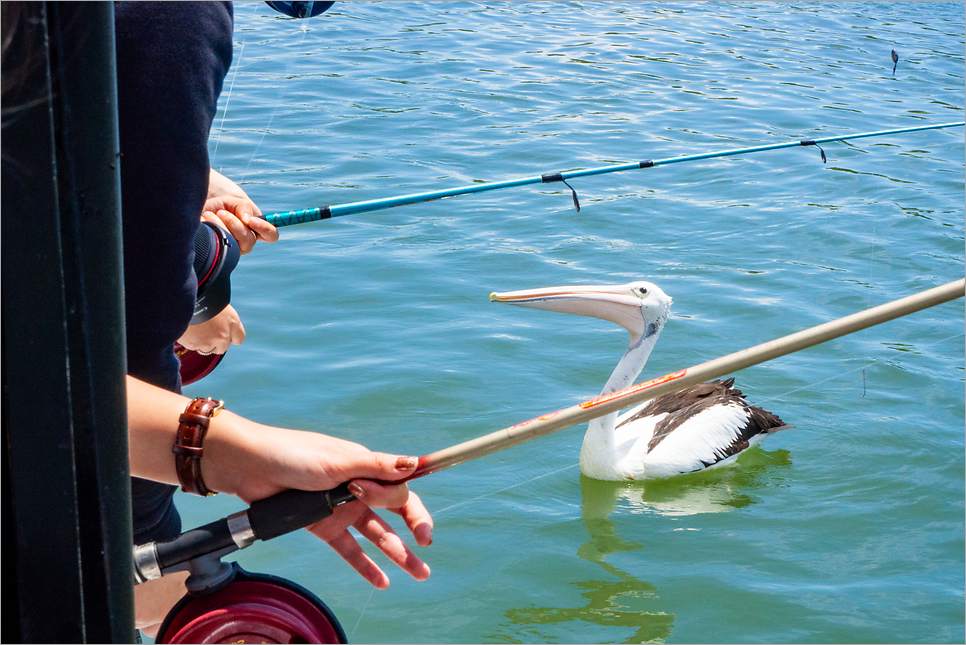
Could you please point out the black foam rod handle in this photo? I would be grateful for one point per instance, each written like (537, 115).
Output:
(292, 510)
(195, 543)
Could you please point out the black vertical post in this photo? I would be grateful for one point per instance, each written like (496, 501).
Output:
(66, 487)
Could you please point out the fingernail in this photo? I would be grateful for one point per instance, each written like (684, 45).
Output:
(406, 463)
(357, 490)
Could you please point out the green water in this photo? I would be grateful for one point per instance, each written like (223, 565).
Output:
(378, 327)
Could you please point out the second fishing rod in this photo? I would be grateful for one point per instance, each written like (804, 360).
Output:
(289, 218)
(195, 366)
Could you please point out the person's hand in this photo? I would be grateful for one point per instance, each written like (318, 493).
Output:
(396, 499)
(231, 207)
(219, 185)
(216, 335)
(253, 461)
(240, 217)
(275, 459)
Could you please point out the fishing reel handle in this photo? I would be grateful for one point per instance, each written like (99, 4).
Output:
(200, 550)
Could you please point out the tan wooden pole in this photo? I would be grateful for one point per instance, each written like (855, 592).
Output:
(669, 383)
(289, 510)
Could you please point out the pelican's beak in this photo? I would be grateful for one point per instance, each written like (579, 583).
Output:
(616, 303)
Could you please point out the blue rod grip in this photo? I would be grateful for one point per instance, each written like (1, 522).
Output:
(298, 217)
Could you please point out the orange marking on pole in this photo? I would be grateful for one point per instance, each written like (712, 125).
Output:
(633, 389)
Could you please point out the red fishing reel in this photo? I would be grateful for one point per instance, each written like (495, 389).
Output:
(216, 256)
(252, 608)
(195, 366)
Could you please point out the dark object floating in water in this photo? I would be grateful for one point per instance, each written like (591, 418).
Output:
(895, 61)
(300, 9)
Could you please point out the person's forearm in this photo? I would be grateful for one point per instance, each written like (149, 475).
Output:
(153, 425)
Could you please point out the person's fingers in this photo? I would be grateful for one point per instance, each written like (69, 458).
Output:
(236, 332)
(376, 495)
(221, 345)
(418, 520)
(423, 533)
(241, 218)
(264, 231)
(242, 234)
(235, 227)
(245, 209)
(355, 462)
(209, 216)
(216, 336)
(374, 528)
(399, 500)
(350, 551)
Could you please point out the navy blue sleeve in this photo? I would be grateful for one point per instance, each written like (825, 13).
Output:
(172, 58)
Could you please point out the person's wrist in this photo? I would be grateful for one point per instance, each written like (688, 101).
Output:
(231, 456)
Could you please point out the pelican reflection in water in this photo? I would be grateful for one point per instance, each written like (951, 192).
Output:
(628, 608)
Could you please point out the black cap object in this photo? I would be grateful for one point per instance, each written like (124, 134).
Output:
(300, 9)
(216, 255)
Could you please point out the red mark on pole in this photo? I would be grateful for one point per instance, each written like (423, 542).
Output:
(633, 389)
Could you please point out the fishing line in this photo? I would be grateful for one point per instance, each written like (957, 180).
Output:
(224, 114)
(825, 380)
(237, 65)
(362, 613)
(872, 269)
(438, 513)
(872, 361)
(278, 100)
(491, 493)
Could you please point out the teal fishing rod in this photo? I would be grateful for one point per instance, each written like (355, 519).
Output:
(289, 218)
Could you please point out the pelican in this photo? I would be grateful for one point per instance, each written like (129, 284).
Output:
(704, 426)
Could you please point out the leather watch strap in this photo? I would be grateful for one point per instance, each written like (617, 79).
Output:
(188, 449)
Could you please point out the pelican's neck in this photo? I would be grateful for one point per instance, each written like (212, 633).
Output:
(599, 449)
(630, 364)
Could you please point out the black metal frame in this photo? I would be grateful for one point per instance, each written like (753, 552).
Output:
(66, 487)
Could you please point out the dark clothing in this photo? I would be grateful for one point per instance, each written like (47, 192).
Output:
(172, 58)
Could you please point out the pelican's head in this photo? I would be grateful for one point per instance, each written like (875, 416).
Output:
(639, 307)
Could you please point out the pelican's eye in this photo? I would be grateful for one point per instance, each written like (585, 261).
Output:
(642, 291)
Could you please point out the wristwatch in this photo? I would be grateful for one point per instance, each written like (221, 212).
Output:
(187, 448)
